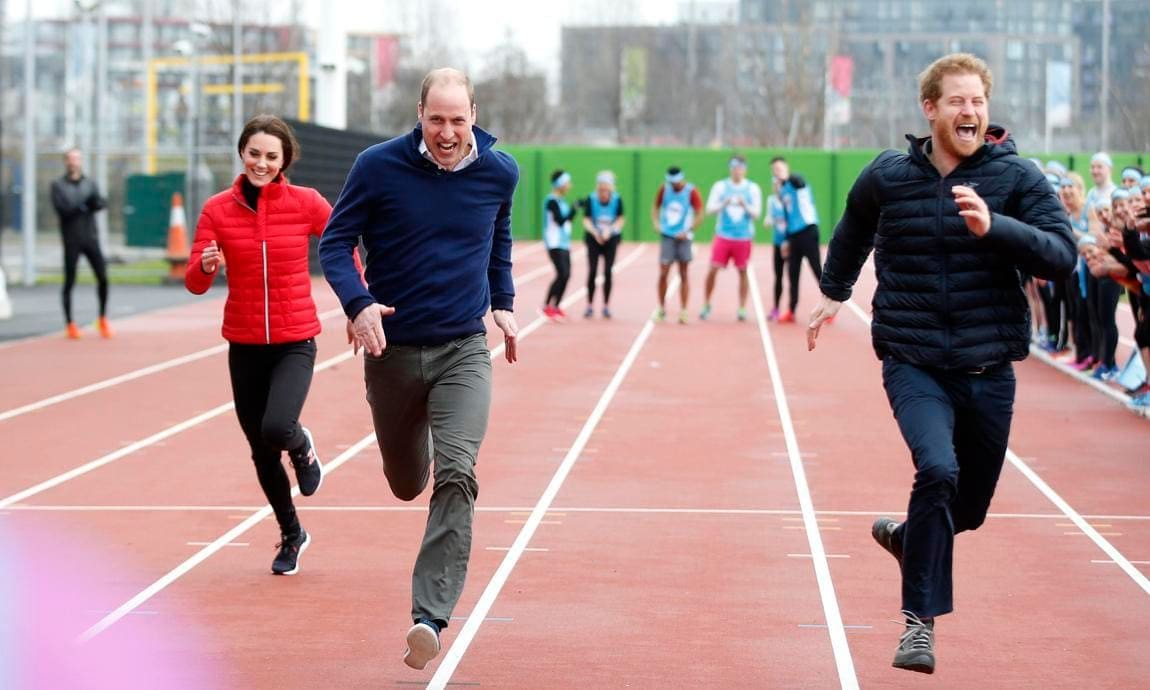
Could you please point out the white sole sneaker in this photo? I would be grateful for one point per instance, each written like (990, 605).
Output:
(299, 554)
(422, 646)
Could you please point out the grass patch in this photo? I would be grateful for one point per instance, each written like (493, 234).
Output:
(149, 272)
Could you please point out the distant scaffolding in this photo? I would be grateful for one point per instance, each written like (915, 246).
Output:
(283, 73)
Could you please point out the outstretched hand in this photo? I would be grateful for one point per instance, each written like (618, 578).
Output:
(825, 309)
(505, 320)
(366, 330)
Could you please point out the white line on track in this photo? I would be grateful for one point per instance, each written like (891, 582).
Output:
(204, 553)
(487, 599)
(254, 519)
(845, 665)
(131, 376)
(1051, 495)
(557, 510)
(201, 418)
(208, 352)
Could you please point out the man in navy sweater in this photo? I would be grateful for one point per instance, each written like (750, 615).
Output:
(433, 208)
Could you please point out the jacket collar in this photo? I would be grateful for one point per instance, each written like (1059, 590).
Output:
(483, 141)
(998, 142)
(272, 190)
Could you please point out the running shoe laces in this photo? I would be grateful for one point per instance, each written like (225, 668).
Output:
(918, 636)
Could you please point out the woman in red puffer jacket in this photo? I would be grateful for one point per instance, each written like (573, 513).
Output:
(262, 225)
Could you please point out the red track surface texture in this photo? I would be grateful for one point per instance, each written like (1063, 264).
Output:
(661, 506)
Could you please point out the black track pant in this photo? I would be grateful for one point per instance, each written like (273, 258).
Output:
(562, 260)
(269, 386)
(804, 245)
(594, 251)
(90, 249)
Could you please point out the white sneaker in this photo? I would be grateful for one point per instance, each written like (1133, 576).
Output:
(422, 645)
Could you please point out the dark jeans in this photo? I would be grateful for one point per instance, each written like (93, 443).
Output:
(803, 245)
(269, 386)
(89, 248)
(561, 258)
(594, 251)
(956, 424)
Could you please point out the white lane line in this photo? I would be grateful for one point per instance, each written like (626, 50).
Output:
(1089, 380)
(845, 665)
(248, 522)
(538, 323)
(130, 376)
(1080, 522)
(141, 444)
(486, 600)
(559, 510)
(1051, 495)
(807, 555)
(204, 553)
(194, 421)
(518, 251)
(1113, 563)
(208, 543)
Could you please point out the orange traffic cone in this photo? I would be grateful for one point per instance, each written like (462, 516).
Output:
(177, 241)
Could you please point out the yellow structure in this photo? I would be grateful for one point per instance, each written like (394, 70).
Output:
(155, 65)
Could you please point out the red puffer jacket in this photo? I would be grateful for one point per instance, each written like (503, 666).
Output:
(266, 252)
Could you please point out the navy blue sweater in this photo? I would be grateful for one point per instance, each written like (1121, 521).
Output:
(438, 243)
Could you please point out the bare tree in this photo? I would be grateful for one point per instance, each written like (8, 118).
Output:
(512, 95)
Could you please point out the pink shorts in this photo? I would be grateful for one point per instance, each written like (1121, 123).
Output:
(724, 251)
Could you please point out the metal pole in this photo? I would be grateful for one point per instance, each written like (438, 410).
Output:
(148, 43)
(100, 131)
(1104, 97)
(237, 83)
(190, 136)
(692, 72)
(28, 186)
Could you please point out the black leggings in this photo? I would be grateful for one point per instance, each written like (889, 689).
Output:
(594, 251)
(1080, 315)
(803, 245)
(777, 257)
(1103, 294)
(90, 248)
(1053, 296)
(269, 386)
(562, 260)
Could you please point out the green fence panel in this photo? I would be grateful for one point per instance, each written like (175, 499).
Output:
(522, 219)
(846, 166)
(148, 207)
(1121, 160)
(640, 171)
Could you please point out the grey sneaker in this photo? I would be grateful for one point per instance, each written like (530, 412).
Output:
(883, 532)
(916, 646)
(422, 644)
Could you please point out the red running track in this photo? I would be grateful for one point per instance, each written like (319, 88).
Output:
(660, 506)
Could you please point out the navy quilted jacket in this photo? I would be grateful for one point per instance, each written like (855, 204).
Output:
(946, 298)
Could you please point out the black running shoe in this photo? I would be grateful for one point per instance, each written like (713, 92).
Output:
(916, 646)
(883, 532)
(308, 469)
(287, 560)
